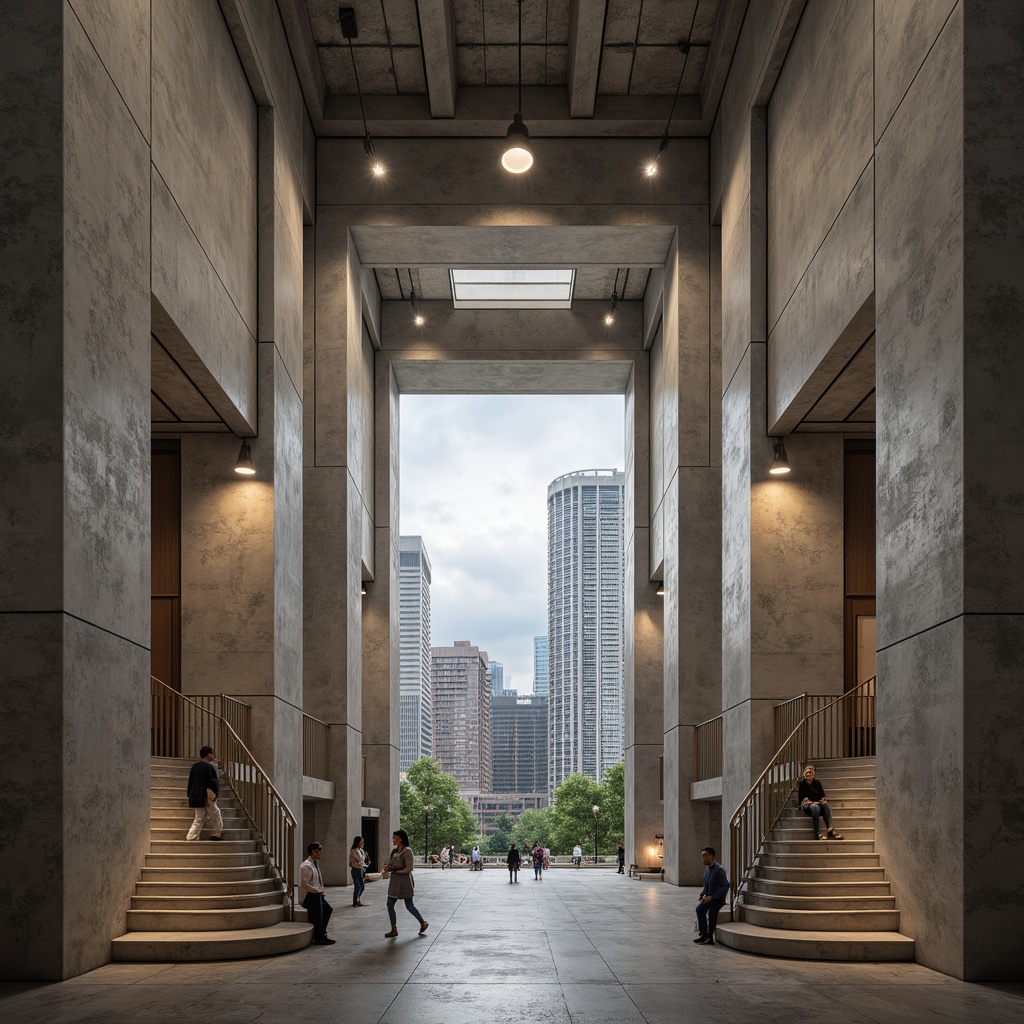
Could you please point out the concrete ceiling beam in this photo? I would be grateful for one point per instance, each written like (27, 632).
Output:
(437, 32)
(586, 31)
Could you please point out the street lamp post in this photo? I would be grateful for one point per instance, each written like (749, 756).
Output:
(596, 809)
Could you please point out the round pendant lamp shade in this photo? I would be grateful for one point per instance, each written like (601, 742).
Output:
(517, 157)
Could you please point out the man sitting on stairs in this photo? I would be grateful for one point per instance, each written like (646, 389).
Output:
(203, 790)
(712, 897)
(813, 802)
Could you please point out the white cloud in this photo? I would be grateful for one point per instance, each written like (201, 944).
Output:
(474, 476)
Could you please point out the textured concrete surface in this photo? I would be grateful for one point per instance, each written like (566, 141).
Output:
(581, 947)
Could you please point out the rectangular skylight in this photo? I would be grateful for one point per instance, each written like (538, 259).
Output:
(520, 288)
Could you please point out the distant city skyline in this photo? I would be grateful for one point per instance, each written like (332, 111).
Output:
(474, 476)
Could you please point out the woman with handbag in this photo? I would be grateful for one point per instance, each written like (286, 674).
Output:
(400, 887)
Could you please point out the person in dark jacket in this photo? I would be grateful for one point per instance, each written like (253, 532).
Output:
(813, 802)
(513, 860)
(712, 897)
(203, 790)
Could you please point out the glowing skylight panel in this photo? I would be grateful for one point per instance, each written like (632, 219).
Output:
(519, 288)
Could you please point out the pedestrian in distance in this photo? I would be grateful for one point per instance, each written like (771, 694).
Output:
(513, 860)
(445, 854)
(358, 861)
(313, 895)
(538, 863)
(400, 886)
(712, 897)
(478, 863)
(577, 855)
(621, 858)
(203, 791)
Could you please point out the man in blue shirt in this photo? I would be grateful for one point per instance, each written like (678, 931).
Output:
(712, 897)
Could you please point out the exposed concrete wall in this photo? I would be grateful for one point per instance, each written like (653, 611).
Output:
(951, 554)
(74, 481)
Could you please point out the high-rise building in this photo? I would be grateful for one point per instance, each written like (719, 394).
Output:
(497, 671)
(462, 714)
(585, 623)
(540, 665)
(519, 743)
(415, 714)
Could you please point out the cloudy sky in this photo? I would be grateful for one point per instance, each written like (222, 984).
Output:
(474, 476)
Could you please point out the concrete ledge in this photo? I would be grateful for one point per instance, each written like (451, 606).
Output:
(182, 947)
(800, 945)
(707, 789)
(317, 789)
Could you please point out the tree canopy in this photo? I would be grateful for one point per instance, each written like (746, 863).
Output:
(532, 827)
(431, 810)
(499, 840)
(572, 813)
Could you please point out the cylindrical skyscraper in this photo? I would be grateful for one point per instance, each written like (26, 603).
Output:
(585, 623)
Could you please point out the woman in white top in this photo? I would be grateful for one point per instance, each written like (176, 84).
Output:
(399, 868)
(358, 862)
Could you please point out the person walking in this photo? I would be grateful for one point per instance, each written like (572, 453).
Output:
(445, 854)
(313, 895)
(477, 863)
(401, 887)
(358, 862)
(621, 855)
(577, 855)
(513, 860)
(538, 863)
(203, 790)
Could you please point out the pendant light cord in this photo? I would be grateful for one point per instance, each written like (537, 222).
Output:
(520, 56)
(359, 92)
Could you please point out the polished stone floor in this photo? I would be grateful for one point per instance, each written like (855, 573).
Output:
(581, 947)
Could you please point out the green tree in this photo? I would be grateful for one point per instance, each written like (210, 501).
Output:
(532, 827)
(498, 841)
(431, 810)
(572, 814)
(611, 820)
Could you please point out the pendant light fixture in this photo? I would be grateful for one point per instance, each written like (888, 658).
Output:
(780, 464)
(609, 317)
(350, 30)
(244, 466)
(417, 317)
(517, 157)
(652, 168)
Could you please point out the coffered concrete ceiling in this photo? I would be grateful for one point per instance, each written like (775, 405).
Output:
(450, 67)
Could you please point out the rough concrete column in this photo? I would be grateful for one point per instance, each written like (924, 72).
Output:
(74, 486)
(381, 664)
(337, 531)
(782, 539)
(949, 204)
(687, 363)
(642, 650)
(242, 537)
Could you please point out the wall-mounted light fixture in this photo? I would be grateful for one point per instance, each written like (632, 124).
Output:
(780, 464)
(244, 466)
(684, 48)
(660, 592)
(517, 157)
(362, 589)
(350, 31)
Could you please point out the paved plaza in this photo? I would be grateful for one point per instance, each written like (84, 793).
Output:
(581, 947)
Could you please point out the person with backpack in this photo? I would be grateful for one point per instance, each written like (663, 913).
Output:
(538, 863)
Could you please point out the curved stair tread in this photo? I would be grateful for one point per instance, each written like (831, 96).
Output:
(816, 945)
(179, 947)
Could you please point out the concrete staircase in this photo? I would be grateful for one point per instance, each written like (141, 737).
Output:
(823, 900)
(204, 900)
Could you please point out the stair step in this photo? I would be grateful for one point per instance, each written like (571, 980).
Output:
(825, 859)
(227, 901)
(820, 901)
(822, 920)
(204, 920)
(186, 846)
(169, 820)
(834, 873)
(773, 886)
(204, 860)
(810, 845)
(238, 887)
(816, 945)
(168, 874)
(178, 947)
(802, 830)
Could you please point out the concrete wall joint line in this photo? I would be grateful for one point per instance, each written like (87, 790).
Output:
(284, 366)
(820, 246)
(946, 622)
(85, 622)
(739, 363)
(227, 292)
(99, 60)
(910, 84)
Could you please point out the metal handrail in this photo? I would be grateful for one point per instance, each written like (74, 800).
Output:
(181, 725)
(845, 727)
(237, 713)
(707, 749)
(788, 715)
(316, 748)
